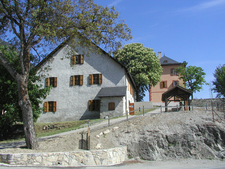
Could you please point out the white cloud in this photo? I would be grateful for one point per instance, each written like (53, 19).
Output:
(204, 6)
(114, 3)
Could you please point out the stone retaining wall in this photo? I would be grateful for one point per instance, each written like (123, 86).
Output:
(75, 158)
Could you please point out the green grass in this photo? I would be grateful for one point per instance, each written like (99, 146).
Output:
(59, 127)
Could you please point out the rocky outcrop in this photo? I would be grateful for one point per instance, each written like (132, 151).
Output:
(172, 136)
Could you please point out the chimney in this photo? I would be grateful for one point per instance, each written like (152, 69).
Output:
(159, 55)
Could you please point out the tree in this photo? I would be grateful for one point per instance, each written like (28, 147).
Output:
(10, 110)
(193, 77)
(219, 81)
(143, 65)
(33, 24)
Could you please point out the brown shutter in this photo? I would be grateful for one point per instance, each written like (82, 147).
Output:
(90, 79)
(47, 81)
(165, 84)
(55, 82)
(90, 106)
(73, 60)
(54, 106)
(71, 80)
(81, 59)
(100, 78)
(171, 72)
(81, 80)
(46, 107)
(161, 85)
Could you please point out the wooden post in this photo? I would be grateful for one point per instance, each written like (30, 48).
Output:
(166, 105)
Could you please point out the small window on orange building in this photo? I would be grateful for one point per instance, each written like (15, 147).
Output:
(163, 84)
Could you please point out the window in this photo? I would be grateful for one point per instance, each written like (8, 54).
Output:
(163, 84)
(173, 72)
(77, 59)
(51, 81)
(175, 83)
(94, 105)
(76, 80)
(95, 79)
(111, 106)
(50, 106)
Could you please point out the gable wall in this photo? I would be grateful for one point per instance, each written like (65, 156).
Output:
(156, 92)
(72, 101)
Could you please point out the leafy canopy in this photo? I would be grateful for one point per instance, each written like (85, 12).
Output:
(36, 22)
(10, 110)
(219, 81)
(193, 77)
(143, 65)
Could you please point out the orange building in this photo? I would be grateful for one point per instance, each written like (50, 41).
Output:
(169, 78)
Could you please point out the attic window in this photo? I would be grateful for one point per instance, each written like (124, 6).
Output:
(165, 61)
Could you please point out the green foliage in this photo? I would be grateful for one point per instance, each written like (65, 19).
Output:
(10, 110)
(143, 65)
(53, 21)
(219, 81)
(193, 77)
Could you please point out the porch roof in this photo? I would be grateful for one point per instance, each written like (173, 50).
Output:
(112, 91)
(177, 92)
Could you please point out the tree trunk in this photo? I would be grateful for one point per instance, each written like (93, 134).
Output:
(25, 105)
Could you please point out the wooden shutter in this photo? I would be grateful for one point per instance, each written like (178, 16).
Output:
(73, 60)
(161, 85)
(165, 83)
(81, 59)
(111, 106)
(46, 107)
(90, 79)
(72, 81)
(54, 106)
(55, 82)
(47, 82)
(90, 105)
(100, 79)
(81, 80)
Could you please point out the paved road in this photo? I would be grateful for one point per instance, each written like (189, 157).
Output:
(178, 164)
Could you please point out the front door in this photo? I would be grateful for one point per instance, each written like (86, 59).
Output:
(131, 108)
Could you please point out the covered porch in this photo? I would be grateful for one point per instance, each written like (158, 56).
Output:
(177, 94)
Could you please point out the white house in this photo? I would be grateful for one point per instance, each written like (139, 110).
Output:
(84, 86)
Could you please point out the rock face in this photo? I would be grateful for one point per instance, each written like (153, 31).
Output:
(171, 135)
(201, 142)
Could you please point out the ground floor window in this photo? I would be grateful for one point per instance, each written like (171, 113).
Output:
(50, 106)
(111, 106)
(94, 105)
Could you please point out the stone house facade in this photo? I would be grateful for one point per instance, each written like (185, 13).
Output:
(169, 79)
(84, 86)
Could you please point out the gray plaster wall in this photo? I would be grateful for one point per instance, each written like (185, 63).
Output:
(72, 101)
(119, 106)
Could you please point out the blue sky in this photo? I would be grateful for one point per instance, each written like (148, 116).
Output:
(183, 30)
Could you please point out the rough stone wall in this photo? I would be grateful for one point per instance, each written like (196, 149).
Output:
(79, 158)
(147, 105)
